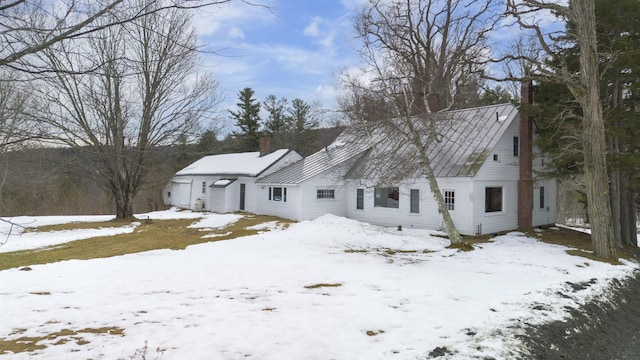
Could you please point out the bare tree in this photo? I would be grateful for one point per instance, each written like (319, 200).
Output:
(584, 86)
(144, 93)
(29, 27)
(421, 57)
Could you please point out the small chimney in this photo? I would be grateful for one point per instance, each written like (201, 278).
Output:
(265, 144)
(525, 182)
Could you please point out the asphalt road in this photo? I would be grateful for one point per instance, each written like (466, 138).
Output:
(608, 330)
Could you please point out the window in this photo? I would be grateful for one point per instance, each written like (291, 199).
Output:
(360, 199)
(495, 157)
(541, 197)
(204, 187)
(516, 146)
(450, 199)
(278, 194)
(325, 194)
(414, 201)
(388, 197)
(493, 199)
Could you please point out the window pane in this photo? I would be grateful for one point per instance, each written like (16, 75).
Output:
(493, 199)
(516, 146)
(360, 199)
(541, 197)
(450, 200)
(325, 194)
(388, 197)
(415, 201)
(277, 194)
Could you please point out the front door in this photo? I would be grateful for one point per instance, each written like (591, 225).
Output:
(242, 194)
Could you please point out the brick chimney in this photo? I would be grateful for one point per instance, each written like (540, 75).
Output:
(265, 144)
(525, 182)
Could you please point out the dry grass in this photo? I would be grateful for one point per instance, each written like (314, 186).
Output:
(32, 343)
(580, 243)
(154, 235)
(322, 285)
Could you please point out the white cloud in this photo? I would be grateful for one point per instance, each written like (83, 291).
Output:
(210, 19)
(313, 29)
(323, 31)
(235, 33)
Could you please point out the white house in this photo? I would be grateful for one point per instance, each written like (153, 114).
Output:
(226, 182)
(484, 162)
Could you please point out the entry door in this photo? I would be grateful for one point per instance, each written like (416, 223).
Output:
(242, 194)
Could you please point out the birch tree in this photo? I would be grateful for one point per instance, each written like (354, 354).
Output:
(145, 92)
(584, 86)
(421, 57)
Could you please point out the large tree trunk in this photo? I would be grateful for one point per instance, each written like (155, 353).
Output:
(449, 225)
(124, 204)
(595, 164)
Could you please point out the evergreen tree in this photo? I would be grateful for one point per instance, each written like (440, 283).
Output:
(300, 120)
(248, 119)
(558, 116)
(277, 117)
(208, 142)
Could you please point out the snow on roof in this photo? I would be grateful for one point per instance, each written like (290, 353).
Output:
(222, 182)
(237, 164)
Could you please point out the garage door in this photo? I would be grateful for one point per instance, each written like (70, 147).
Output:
(181, 194)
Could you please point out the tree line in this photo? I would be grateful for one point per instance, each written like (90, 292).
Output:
(288, 123)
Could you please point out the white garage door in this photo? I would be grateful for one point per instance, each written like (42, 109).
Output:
(181, 193)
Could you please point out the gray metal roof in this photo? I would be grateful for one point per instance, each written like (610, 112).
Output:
(336, 154)
(465, 138)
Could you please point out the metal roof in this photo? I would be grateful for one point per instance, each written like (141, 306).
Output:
(464, 140)
(338, 153)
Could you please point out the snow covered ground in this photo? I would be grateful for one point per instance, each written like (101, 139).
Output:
(330, 288)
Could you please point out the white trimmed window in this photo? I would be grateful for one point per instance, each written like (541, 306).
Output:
(359, 199)
(204, 187)
(493, 199)
(414, 201)
(388, 197)
(325, 194)
(277, 193)
(450, 199)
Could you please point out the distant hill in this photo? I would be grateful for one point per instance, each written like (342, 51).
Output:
(55, 181)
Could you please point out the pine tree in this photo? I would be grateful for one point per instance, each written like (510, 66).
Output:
(248, 119)
(277, 118)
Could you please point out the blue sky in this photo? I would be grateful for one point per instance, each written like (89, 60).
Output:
(295, 49)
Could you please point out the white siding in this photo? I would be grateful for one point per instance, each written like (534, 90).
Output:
(507, 165)
(493, 222)
(427, 218)
(218, 200)
(312, 207)
(288, 210)
(547, 214)
(196, 191)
